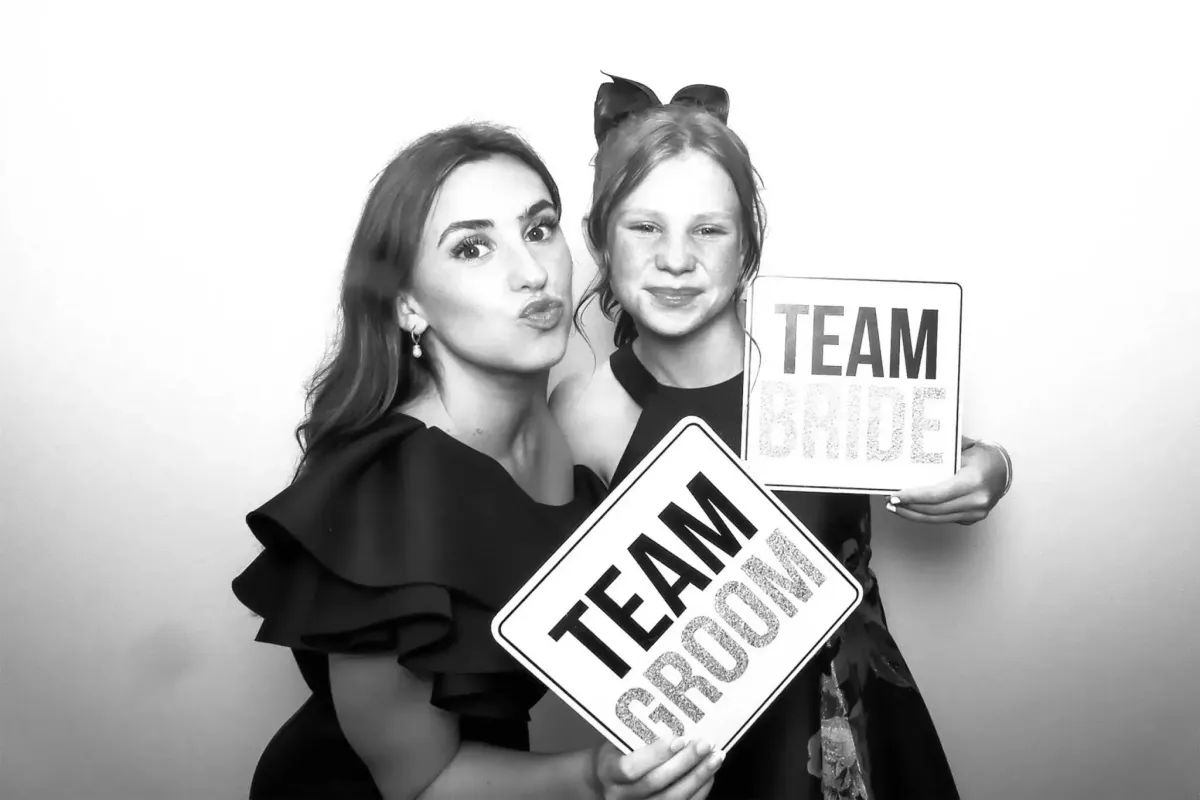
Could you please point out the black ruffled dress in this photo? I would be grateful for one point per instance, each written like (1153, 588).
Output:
(406, 542)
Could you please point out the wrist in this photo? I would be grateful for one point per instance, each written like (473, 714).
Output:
(1006, 459)
(588, 769)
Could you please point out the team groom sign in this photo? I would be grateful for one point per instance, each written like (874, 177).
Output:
(683, 605)
(853, 385)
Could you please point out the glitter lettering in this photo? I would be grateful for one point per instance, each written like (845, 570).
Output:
(737, 622)
(920, 424)
(826, 422)
(875, 397)
(769, 580)
(705, 656)
(774, 418)
(677, 692)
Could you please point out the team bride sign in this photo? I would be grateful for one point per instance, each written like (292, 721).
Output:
(852, 385)
(683, 605)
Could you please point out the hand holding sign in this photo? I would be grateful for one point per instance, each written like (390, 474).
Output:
(966, 498)
(684, 604)
(668, 769)
(852, 384)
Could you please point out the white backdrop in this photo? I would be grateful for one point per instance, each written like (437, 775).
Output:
(178, 186)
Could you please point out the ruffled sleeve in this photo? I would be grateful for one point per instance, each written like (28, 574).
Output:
(405, 542)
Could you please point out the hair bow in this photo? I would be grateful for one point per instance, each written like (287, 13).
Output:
(617, 100)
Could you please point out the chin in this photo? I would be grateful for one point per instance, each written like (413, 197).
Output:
(673, 325)
(541, 355)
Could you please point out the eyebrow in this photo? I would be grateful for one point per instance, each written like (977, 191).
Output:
(650, 212)
(483, 224)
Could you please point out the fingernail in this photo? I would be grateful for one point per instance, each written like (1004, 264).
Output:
(891, 508)
(703, 746)
(895, 500)
(677, 744)
(716, 758)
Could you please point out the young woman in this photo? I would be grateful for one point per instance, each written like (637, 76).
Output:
(433, 482)
(676, 228)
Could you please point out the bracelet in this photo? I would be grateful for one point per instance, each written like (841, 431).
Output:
(1008, 468)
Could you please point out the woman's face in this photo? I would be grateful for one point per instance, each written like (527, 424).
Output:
(675, 246)
(493, 276)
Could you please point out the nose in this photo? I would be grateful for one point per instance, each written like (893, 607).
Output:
(676, 255)
(527, 272)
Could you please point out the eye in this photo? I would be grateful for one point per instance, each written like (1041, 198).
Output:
(472, 248)
(543, 231)
(643, 227)
(711, 230)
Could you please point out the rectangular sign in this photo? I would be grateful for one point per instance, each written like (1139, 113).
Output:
(852, 385)
(683, 605)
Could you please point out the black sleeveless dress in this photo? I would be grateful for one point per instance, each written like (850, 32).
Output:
(852, 724)
(404, 542)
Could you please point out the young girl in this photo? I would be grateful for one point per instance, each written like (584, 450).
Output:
(433, 483)
(676, 228)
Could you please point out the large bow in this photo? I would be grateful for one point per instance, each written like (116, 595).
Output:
(617, 100)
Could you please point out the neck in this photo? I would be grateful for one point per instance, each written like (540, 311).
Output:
(709, 355)
(501, 414)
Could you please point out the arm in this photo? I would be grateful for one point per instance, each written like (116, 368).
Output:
(412, 749)
(983, 478)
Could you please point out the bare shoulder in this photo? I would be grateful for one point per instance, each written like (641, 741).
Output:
(597, 417)
(570, 396)
(582, 400)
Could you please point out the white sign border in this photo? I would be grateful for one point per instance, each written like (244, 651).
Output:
(594, 518)
(747, 381)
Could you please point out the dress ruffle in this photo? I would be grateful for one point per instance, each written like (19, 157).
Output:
(408, 542)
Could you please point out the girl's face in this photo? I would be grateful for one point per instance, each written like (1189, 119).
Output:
(492, 283)
(675, 246)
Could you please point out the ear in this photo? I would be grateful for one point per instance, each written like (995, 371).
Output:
(408, 312)
(596, 254)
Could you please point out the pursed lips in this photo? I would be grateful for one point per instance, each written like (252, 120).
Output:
(541, 306)
(543, 313)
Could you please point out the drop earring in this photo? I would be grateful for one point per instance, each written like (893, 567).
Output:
(416, 340)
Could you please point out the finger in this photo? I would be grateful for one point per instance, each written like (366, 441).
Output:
(684, 762)
(633, 767)
(966, 502)
(692, 783)
(961, 517)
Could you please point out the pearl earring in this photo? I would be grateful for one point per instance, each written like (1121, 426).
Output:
(416, 340)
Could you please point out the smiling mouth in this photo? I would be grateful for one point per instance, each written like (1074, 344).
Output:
(674, 297)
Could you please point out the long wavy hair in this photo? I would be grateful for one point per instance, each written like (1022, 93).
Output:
(370, 369)
(630, 153)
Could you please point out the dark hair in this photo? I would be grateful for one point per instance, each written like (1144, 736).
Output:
(631, 152)
(371, 369)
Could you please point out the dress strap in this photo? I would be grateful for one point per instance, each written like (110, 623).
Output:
(633, 376)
